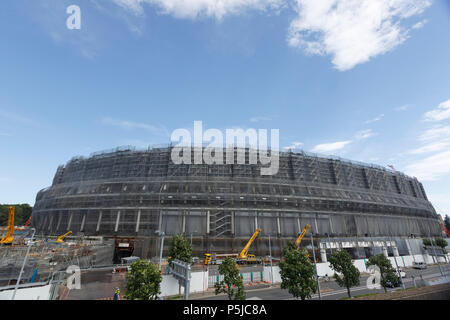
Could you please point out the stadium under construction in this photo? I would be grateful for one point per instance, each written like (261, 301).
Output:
(129, 194)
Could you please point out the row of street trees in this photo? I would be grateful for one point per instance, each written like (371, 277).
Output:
(298, 274)
(439, 242)
(144, 278)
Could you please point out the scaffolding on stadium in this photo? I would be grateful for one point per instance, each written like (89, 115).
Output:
(126, 192)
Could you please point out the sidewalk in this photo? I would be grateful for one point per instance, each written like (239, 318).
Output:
(211, 291)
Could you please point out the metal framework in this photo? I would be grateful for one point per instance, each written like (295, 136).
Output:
(129, 192)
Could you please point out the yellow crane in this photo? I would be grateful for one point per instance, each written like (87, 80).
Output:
(244, 253)
(300, 237)
(9, 237)
(242, 257)
(61, 238)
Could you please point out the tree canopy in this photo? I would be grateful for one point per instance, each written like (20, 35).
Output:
(143, 281)
(387, 271)
(341, 262)
(297, 272)
(447, 222)
(21, 213)
(232, 284)
(180, 249)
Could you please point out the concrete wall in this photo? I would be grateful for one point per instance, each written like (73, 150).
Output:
(36, 293)
(199, 283)
(324, 268)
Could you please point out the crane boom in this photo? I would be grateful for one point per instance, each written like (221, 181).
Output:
(61, 238)
(28, 222)
(441, 222)
(300, 237)
(244, 251)
(9, 237)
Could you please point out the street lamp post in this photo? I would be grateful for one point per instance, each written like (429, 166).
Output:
(271, 267)
(396, 265)
(434, 251)
(315, 267)
(191, 235)
(23, 265)
(161, 234)
(329, 241)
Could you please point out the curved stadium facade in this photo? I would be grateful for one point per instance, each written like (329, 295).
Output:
(130, 193)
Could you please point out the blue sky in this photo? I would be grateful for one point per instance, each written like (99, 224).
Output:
(365, 80)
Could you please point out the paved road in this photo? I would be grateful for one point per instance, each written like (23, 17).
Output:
(95, 284)
(330, 290)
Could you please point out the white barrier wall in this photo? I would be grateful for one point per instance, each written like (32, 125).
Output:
(35, 293)
(199, 283)
(276, 274)
(360, 264)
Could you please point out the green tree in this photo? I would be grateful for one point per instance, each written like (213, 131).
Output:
(21, 213)
(341, 262)
(143, 281)
(387, 271)
(441, 243)
(297, 272)
(232, 279)
(179, 249)
(447, 222)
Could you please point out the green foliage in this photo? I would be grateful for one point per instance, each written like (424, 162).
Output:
(341, 262)
(179, 249)
(447, 222)
(143, 281)
(439, 242)
(21, 213)
(232, 283)
(387, 271)
(297, 272)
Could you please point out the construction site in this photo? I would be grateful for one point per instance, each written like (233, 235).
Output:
(116, 206)
(127, 195)
(25, 258)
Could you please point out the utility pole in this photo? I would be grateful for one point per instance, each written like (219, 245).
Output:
(434, 251)
(23, 264)
(191, 236)
(315, 267)
(271, 267)
(396, 265)
(161, 234)
(331, 247)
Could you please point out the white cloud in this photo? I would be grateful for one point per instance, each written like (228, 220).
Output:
(381, 116)
(432, 147)
(442, 199)
(442, 112)
(257, 119)
(419, 24)
(402, 108)
(436, 132)
(351, 31)
(195, 8)
(124, 124)
(431, 168)
(364, 134)
(14, 117)
(330, 147)
(294, 145)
